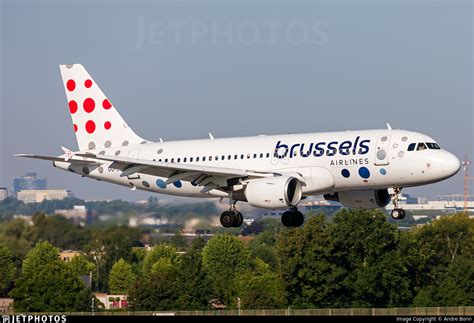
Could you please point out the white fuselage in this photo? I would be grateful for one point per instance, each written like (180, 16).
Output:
(352, 160)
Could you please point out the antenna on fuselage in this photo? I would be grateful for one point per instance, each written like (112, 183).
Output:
(389, 127)
(211, 136)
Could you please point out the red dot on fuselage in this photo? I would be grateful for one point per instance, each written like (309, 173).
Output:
(106, 104)
(75, 128)
(107, 125)
(90, 126)
(72, 106)
(88, 83)
(71, 85)
(88, 105)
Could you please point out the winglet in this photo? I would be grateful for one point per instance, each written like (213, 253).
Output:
(389, 127)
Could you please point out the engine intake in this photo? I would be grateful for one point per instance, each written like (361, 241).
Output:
(274, 192)
(361, 199)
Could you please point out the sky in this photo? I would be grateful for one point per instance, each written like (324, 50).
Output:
(180, 69)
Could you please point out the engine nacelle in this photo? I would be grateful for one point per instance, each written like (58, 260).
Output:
(274, 192)
(361, 199)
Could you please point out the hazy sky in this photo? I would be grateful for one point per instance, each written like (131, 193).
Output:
(179, 69)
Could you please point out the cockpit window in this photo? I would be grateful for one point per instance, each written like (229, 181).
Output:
(411, 147)
(433, 145)
(421, 146)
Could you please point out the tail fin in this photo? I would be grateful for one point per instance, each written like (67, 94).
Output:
(96, 121)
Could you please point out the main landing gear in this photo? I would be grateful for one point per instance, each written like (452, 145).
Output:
(232, 218)
(397, 213)
(292, 218)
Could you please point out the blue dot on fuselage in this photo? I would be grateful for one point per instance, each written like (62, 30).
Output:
(383, 171)
(178, 184)
(364, 172)
(160, 183)
(345, 173)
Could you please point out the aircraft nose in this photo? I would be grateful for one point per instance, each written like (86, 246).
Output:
(451, 164)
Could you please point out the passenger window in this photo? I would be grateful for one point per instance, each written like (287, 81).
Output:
(197, 159)
(421, 146)
(166, 160)
(411, 147)
(223, 157)
(268, 155)
(235, 156)
(229, 157)
(204, 158)
(184, 160)
(172, 160)
(261, 155)
(179, 159)
(191, 159)
(248, 156)
(242, 156)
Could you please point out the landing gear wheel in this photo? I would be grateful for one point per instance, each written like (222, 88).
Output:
(227, 219)
(287, 219)
(292, 218)
(398, 214)
(239, 219)
(298, 219)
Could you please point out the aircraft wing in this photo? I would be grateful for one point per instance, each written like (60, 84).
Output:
(208, 176)
(58, 159)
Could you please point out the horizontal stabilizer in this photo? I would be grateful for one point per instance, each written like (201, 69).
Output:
(58, 159)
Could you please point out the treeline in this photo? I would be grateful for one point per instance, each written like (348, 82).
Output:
(11, 206)
(356, 260)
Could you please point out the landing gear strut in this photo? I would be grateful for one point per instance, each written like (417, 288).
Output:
(232, 218)
(397, 213)
(292, 218)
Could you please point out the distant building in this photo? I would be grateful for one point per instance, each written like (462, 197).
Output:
(112, 302)
(67, 255)
(29, 181)
(6, 305)
(3, 193)
(79, 212)
(38, 196)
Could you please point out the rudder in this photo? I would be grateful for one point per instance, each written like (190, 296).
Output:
(96, 122)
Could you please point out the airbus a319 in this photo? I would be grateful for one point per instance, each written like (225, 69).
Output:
(360, 169)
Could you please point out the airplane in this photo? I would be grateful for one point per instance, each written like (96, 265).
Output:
(364, 169)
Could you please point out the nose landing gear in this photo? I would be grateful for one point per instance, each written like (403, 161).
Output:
(232, 218)
(397, 213)
(292, 218)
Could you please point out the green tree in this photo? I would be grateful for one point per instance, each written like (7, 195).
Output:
(224, 256)
(155, 290)
(80, 266)
(194, 287)
(158, 252)
(47, 284)
(107, 246)
(260, 288)
(8, 270)
(311, 277)
(366, 247)
(446, 247)
(121, 277)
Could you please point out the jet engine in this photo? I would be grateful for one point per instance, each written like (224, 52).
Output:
(274, 192)
(361, 199)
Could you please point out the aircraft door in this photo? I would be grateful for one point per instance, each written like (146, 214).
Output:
(382, 150)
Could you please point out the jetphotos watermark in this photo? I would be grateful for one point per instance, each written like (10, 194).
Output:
(26, 318)
(221, 33)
